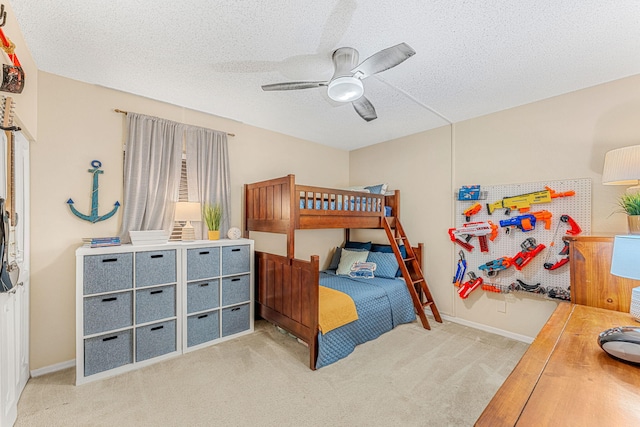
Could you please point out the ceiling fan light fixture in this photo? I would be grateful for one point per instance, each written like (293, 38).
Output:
(345, 89)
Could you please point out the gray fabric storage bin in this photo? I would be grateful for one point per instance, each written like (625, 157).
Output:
(108, 312)
(107, 273)
(155, 303)
(203, 295)
(203, 327)
(155, 268)
(235, 319)
(235, 289)
(155, 340)
(235, 259)
(107, 352)
(203, 263)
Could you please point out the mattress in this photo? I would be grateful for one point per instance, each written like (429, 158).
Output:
(382, 304)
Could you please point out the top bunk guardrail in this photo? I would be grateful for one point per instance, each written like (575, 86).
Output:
(280, 206)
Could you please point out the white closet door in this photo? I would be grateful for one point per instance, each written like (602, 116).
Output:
(14, 305)
(20, 252)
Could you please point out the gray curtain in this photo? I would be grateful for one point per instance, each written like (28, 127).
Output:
(153, 155)
(208, 173)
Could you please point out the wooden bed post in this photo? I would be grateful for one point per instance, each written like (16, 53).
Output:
(293, 200)
(315, 313)
(245, 225)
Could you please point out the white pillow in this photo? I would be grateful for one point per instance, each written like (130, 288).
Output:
(359, 188)
(348, 258)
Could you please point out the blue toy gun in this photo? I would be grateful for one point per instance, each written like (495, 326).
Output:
(461, 270)
(526, 222)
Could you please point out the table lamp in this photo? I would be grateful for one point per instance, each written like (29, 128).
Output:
(625, 262)
(188, 211)
(622, 167)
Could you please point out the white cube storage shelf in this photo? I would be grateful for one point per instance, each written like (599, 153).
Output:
(137, 305)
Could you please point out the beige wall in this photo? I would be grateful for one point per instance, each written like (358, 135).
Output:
(564, 137)
(420, 167)
(76, 125)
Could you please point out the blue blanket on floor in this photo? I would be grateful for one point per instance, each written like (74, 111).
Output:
(382, 304)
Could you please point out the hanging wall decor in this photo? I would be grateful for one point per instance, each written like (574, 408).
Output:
(94, 217)
(12, 79)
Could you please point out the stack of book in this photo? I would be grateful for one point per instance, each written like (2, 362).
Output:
(100, 242)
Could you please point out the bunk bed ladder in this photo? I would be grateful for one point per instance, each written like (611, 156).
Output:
(411, 272)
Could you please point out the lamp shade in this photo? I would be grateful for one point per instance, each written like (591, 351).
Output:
(622, 166)
(625, 261)
(188, 211)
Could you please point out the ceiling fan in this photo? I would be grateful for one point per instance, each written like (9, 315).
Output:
(346, 83)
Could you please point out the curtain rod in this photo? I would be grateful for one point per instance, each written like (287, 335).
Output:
(117, 110)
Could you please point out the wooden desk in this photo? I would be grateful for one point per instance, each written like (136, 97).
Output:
(565, 379)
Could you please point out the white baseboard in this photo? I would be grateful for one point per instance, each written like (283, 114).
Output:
(53, 368)
(501, 332)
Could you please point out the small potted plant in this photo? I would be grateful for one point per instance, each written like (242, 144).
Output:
(212, 214)
(630, 204)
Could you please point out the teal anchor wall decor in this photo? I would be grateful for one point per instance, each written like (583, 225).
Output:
(94, 217)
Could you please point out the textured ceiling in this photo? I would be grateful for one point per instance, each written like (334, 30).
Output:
(473, 57)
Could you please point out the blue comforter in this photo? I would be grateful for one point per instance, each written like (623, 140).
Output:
(382, 304)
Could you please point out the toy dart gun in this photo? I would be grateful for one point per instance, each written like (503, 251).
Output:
(523, 202)
(492, 268)
(481, 230)
(466, 288)
(461, 269)
(472, 211)
(529, 250)
(527, 222)
(563, 255)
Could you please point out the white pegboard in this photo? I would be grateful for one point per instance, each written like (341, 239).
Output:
(506, 244)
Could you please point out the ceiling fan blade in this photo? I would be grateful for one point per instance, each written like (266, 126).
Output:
(364, 107)
(293, 85)
(384, 59)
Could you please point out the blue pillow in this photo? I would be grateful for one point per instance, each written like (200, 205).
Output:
(387, 248)
(335, 260)
(377, 189)
(386, 264)
(358, 245)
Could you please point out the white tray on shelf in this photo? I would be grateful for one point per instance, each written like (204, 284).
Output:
(149, 237)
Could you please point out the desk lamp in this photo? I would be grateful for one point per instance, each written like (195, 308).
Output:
(188, 211)
(623, 342)
(625, 262)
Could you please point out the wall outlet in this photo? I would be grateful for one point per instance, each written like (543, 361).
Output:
(502, 306)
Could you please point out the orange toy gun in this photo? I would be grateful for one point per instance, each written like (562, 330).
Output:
(498, 289)
(472, 211)
(543, 216)
(474, 229)
(523, 202)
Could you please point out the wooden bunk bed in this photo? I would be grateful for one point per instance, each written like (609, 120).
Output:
(288, 288)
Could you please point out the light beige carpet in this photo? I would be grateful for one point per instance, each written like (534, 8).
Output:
(407, 377)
